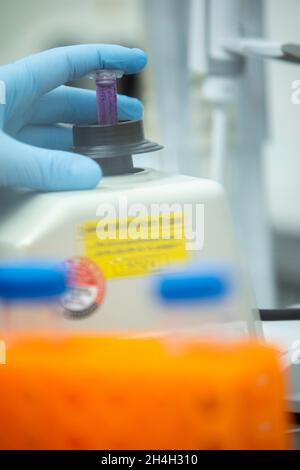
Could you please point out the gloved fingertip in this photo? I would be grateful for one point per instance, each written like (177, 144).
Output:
(130, 108)
(141, 57)
(85, 173)
(136, 109)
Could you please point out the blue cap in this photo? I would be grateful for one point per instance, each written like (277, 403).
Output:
(207, 283)
(32, 280)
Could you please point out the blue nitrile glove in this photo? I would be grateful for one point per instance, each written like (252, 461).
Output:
(32, 143)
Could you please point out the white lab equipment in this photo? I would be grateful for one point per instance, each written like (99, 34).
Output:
(109, 273)
(225, 45)
(137, 222)
(167, 25)
(234, 83)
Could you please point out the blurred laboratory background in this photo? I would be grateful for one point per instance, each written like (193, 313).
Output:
(180, 112)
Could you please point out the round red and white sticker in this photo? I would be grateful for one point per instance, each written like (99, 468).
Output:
(86, 290)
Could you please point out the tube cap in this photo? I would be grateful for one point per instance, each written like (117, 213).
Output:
(208, 283)
(32, 280)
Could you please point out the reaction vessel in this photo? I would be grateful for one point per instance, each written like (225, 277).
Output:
(106, 93)
(30, 293)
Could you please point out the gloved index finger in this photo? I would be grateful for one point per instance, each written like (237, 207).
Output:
(42, 72)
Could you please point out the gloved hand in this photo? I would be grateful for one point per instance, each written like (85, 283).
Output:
(32, 143)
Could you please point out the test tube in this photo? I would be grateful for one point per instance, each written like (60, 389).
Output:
(30, 294)
(106, 95)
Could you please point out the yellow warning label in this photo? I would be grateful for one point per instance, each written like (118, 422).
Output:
(134, 245)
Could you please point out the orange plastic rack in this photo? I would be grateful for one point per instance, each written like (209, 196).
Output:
(93, 392)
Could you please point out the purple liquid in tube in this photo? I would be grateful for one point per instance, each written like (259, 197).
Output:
(107, 109)
(106, 95)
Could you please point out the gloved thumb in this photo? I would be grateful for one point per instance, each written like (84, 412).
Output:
(48, 170)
